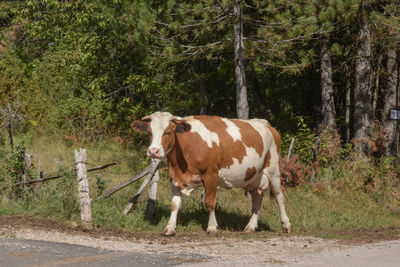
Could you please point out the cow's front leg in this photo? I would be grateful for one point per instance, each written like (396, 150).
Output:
(210, 186)
(176, 204)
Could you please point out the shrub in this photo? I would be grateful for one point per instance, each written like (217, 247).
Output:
(304, 140)
(15, 168)
(292, 172)
(329, 150)
(373, 145)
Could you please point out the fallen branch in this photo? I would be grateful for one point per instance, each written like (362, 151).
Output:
(127, 182)
(41, 180)
(61, 175)
(102, 167)
(133, 200)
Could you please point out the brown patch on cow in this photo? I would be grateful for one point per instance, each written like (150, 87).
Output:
(267, 161)
(189, 159)
(168, 137)
(250, 137)
(277, 137)
(232, 149)
(210, 186)
(250, 173)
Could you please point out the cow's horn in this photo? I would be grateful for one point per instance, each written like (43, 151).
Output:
(176, 118)
(148, 117)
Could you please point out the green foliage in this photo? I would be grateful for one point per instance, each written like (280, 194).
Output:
(55, 199)
(305, 139)
(87, 68)
(100, 185)
(15, 168)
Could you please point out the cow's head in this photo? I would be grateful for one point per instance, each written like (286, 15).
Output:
(162, 128)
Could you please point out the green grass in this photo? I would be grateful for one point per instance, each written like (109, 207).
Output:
(342, 202)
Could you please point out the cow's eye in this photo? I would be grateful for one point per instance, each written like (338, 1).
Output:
(167, 133)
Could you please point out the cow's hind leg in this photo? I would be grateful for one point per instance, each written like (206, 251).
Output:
(256, 199)
(176, 204)
(275, 182)
(210, 186)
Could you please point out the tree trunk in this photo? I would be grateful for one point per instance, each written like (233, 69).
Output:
(375, 77)
(362, 90)
(327, 100)
(202, 88)
(242, 107)
(390, 102)
(348, 108)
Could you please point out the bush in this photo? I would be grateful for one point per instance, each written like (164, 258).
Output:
(293, 173)
(15, 168)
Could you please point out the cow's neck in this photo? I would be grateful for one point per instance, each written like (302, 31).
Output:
(176, 161)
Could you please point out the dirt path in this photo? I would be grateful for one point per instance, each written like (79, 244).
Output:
(226, 249)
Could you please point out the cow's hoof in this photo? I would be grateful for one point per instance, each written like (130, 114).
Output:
(212, 231)
(287, 230)
(169, 232)
(249, 229)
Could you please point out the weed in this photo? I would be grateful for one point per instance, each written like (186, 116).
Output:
(100, 185)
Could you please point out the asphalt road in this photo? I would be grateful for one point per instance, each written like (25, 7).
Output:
(15, 253)
(386, 253)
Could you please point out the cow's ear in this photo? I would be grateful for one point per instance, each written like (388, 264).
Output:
(182, 126)
(140, 126)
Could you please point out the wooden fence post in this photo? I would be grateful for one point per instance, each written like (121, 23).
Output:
(153, 168)
(151, 201)
(27, 158)
(83, 189)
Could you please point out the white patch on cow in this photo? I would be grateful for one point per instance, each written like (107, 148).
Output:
(234, 175)
(232, 130)
(205, 134)
(212, 222)
(176, 205)
(260, 126)
(159, 122)
(189, 189)
(224, 181)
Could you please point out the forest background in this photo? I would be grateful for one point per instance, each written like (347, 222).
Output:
(82, 71)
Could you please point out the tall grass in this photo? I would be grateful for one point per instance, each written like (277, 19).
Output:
(345, 196)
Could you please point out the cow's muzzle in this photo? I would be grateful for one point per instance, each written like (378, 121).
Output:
(153, 152)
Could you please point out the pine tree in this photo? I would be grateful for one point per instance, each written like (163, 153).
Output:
(362, 90)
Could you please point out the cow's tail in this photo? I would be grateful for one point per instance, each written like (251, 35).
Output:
(274, 174)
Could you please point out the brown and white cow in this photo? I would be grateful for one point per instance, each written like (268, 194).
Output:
(213, 152)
